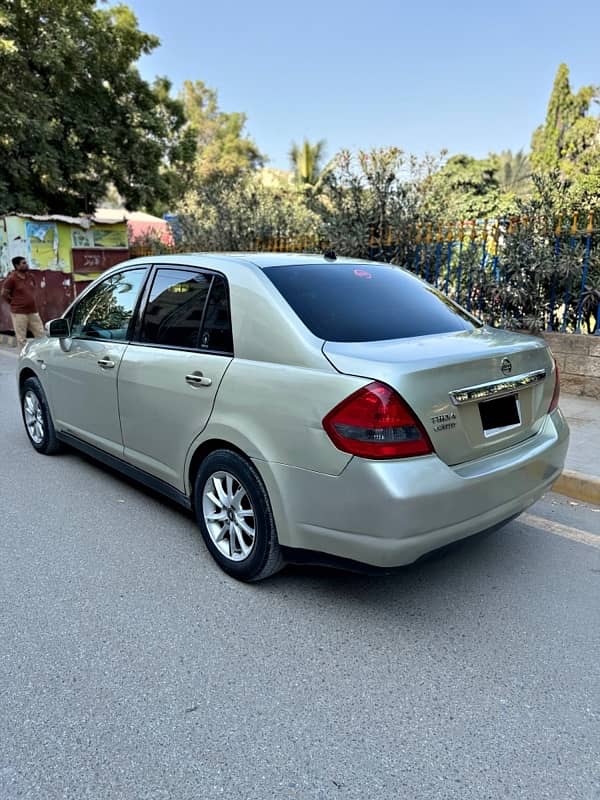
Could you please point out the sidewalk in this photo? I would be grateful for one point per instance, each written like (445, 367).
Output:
(581, 476)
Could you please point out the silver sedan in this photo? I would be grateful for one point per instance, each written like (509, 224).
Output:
(303, 407)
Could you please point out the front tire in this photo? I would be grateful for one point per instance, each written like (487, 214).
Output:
(37, 418)
(235, 517)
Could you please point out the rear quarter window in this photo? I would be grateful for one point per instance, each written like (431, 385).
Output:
(366, 302)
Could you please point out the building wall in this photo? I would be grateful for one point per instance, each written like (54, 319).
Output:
(53, 248)
(578, 359)
(50, 244)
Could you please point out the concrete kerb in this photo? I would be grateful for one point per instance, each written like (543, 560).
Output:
(578, 486)
(573, 484)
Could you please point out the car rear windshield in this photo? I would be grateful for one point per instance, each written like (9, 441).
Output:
(366, 303)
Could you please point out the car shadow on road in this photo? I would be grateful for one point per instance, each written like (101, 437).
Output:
(451, 577)
(455, 580)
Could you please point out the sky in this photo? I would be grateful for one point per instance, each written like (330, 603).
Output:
(468, 77)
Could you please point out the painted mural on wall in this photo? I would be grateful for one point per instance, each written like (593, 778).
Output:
(41, 240)
(65, 254)
(52, 243)
(100, 236)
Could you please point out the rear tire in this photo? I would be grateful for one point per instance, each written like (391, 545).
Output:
(235, 517)
(37, 418)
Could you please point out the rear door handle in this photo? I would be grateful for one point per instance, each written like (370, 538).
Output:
(106, 363)
(197, 379)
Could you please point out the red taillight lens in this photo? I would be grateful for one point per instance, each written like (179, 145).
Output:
(375, 422)
(556, 395)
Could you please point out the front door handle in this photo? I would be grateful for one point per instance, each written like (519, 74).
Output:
(197, 379)
(106, 363)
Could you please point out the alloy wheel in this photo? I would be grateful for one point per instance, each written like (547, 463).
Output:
(34, 419)
(229, 515)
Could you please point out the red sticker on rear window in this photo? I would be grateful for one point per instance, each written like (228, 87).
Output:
(362, 273)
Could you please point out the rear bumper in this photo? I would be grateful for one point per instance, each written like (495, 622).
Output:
(390, 513)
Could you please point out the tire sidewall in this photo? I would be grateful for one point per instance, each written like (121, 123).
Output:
(33, 385)
(265, 536)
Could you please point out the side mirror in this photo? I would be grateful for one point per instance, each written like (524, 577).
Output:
(59, 328)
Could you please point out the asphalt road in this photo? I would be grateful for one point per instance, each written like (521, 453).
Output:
(131, 667)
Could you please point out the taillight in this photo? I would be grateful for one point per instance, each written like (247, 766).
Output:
(375, 422)
(556, 394)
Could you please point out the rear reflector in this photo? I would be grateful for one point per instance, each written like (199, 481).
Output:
(375, 422)
(556, 394)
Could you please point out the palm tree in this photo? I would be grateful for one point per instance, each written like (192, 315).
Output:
(306, 161)
(514, 172)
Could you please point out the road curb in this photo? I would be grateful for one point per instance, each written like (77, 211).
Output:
(579, 486)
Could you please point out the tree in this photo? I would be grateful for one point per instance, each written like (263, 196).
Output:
(371, 199)
(465, 188)
(567, 145)
(306, 161)
(222, 149)
(242, 213)
(513, 172)
(75, 115)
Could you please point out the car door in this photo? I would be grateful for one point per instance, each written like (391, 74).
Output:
(170, 374)
(82, 370)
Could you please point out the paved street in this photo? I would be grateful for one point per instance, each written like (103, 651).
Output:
(131, 667)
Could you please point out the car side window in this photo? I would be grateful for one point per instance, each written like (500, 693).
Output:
(105, 312)
(175, 308)
(216, 329)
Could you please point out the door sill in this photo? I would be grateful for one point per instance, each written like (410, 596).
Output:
(156, 484)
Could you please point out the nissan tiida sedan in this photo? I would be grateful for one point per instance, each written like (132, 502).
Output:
(303, 407)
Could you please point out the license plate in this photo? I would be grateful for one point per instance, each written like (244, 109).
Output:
(500, 415)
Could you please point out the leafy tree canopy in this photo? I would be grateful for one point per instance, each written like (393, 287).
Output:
(75, 115)
(466, 188)
(567, 145)
(222, 149)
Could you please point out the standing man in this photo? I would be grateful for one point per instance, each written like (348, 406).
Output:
(18, 291)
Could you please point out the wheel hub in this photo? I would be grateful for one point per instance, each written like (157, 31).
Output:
(34, 420)
(229, 516)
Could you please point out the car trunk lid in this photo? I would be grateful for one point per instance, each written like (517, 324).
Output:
(475, 392)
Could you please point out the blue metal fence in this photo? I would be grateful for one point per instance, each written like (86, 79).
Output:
(515, 273)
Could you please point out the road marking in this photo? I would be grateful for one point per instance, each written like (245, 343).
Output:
(560, 530)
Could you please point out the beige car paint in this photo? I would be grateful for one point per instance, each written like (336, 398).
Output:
(161, 412)
(269, 400)
(83, 394)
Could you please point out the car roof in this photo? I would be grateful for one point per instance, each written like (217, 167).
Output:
(260, 260)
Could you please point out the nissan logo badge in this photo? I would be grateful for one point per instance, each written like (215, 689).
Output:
(506, 366)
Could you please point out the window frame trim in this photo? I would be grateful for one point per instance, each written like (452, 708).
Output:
(68, 315)
(135, 337)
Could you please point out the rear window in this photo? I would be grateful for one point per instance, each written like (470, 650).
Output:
(366, 303)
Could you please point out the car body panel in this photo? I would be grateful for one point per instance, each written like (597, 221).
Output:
(389, 513)
(277, 412)
(424, 370)
(268, 401)
(83, 394)
(161, 413)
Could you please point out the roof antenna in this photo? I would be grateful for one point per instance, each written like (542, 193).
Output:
(329, 254)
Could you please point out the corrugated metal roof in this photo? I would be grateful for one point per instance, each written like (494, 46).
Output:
(86, 222)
